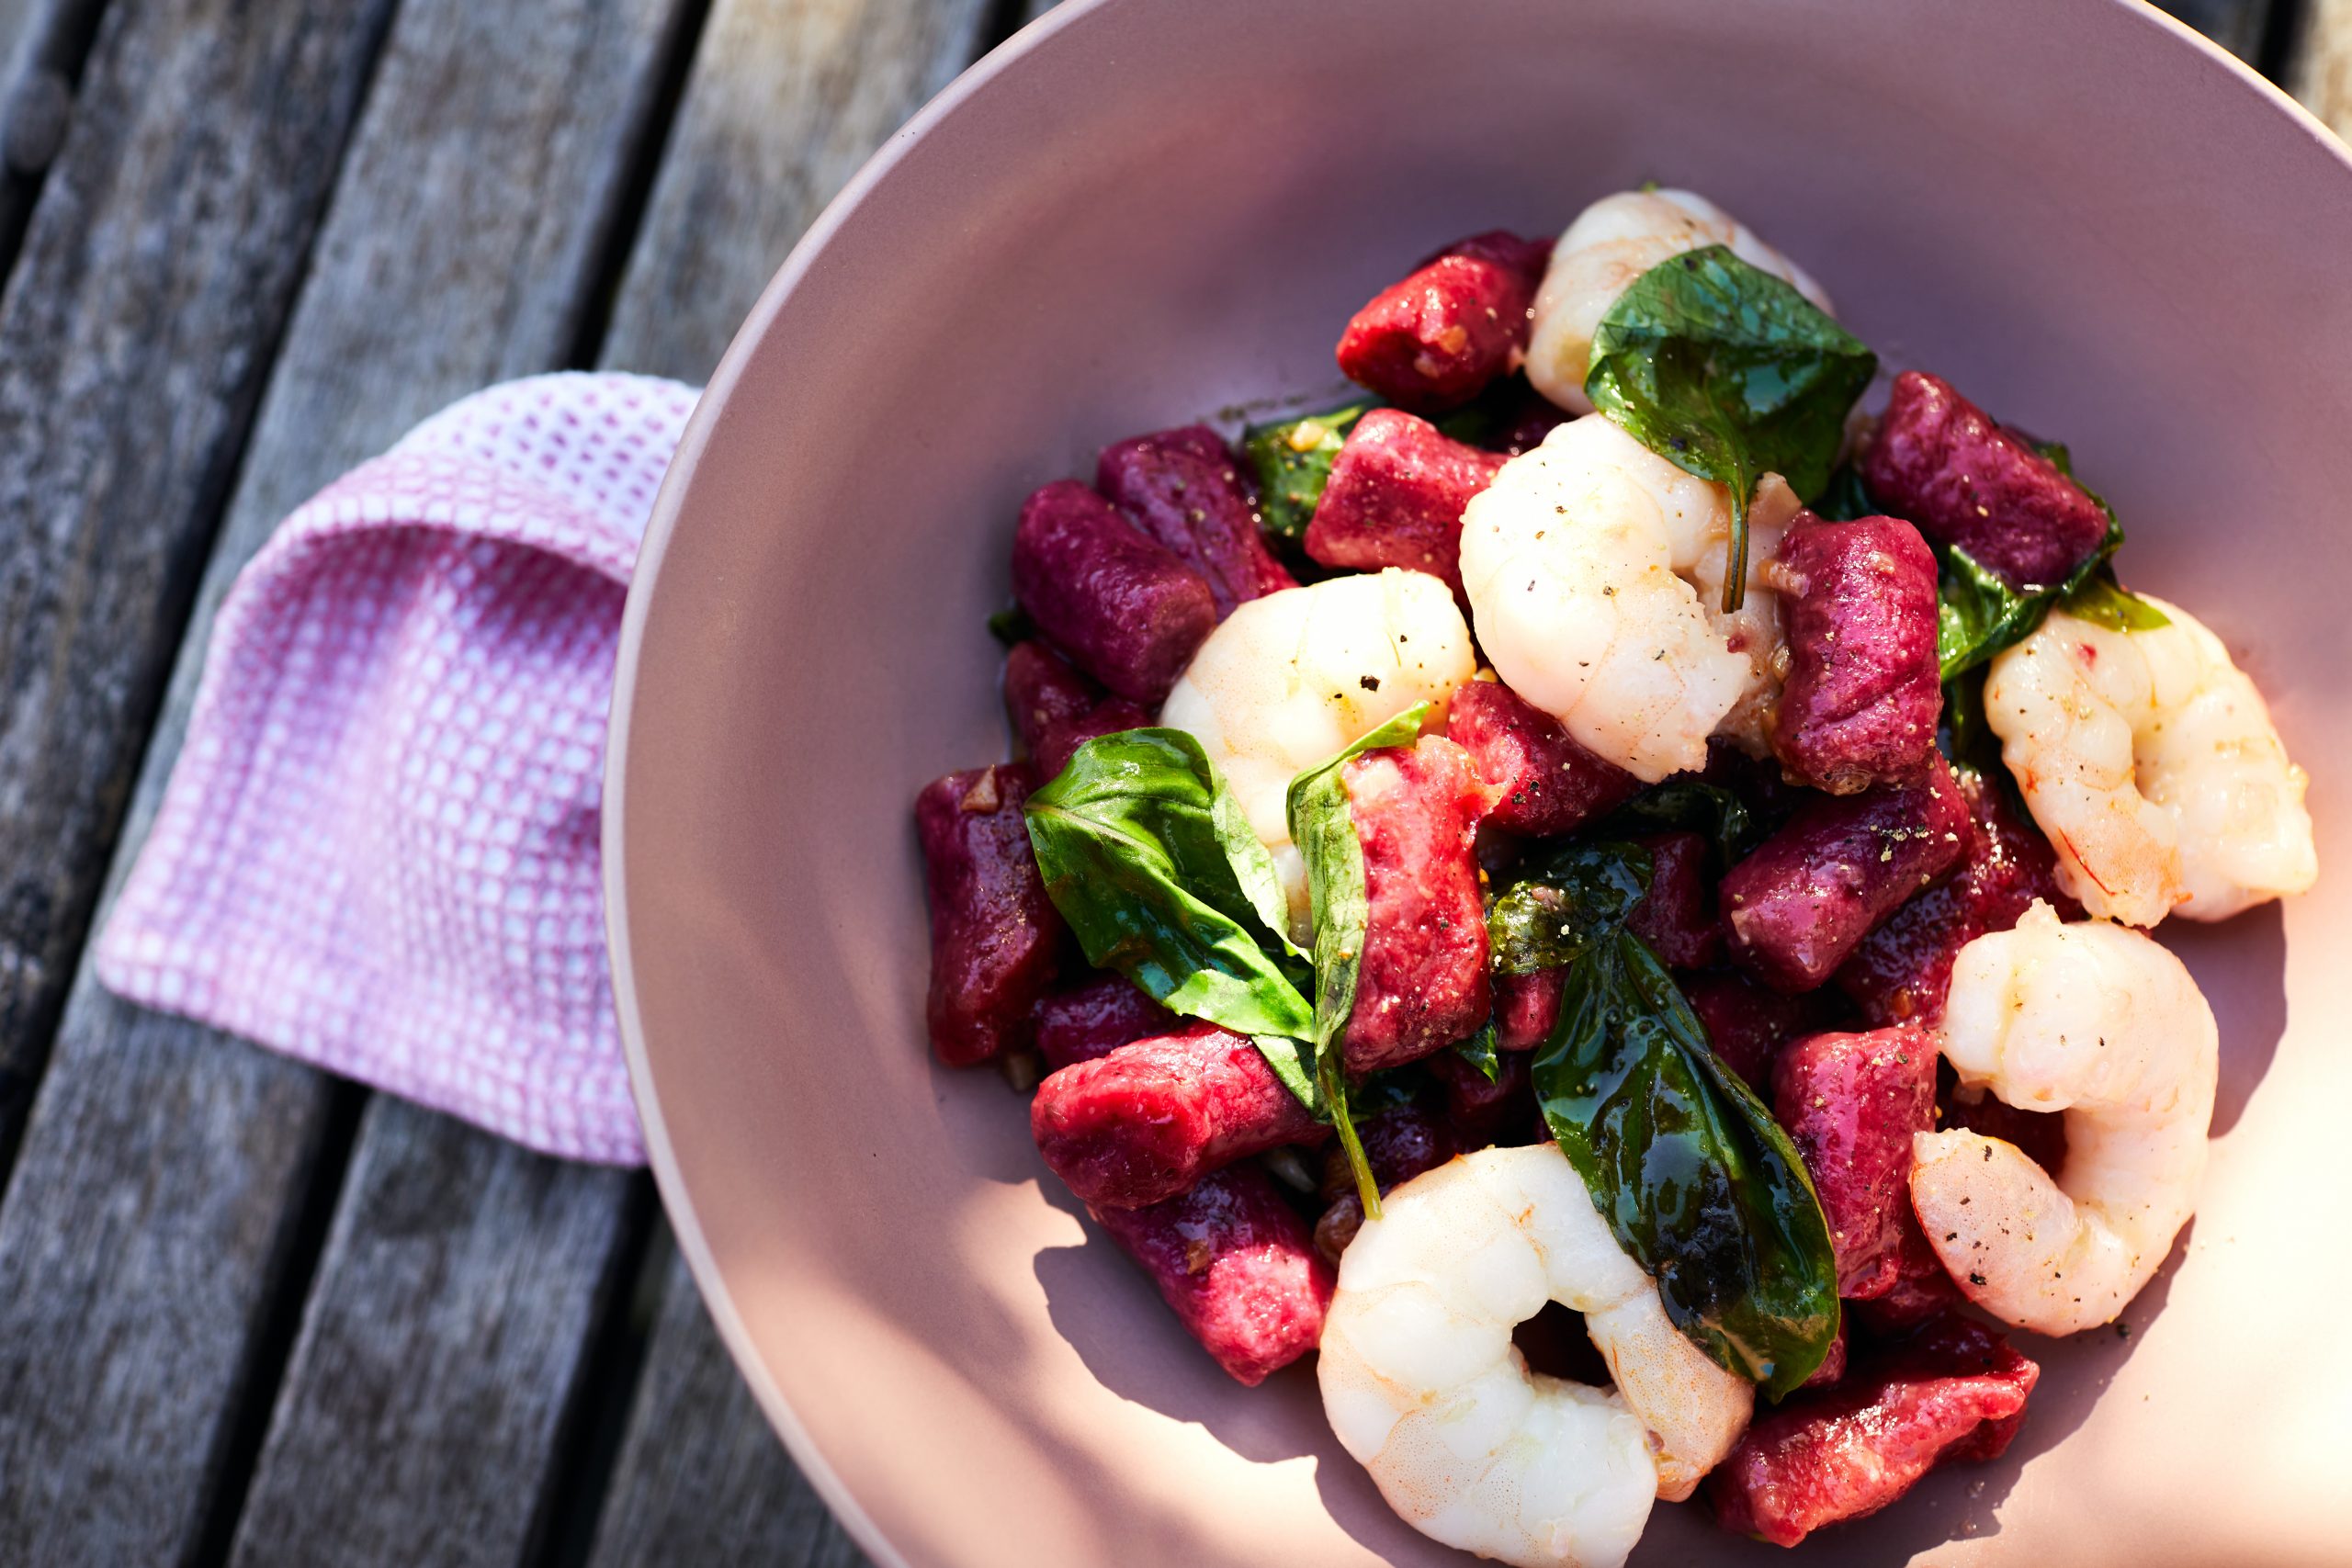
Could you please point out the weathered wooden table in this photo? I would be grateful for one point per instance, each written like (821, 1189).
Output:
(248, 1311)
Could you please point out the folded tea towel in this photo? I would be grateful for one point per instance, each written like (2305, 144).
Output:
(377, 851)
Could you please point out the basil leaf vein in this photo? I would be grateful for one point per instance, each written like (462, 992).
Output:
(1135, 841)
(1730, 373)
(1483, 1051)
(1696, 1181)
(1690, 806)
(1325, 832)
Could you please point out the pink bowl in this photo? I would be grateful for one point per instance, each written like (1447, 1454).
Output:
(1144, 210)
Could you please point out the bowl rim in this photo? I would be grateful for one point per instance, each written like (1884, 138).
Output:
(669, 505)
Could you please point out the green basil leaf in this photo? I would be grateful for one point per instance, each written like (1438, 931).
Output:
(1159, 786)
(1561, 901)
(1729, 372)
(1966, 741)
(1697, 1181)
(1687, 806)
(1292, 459)
(1978, 613)
(1012, 625)
(1387, 1089)
(1140, 858)
(2104, 602)
(1844, 498)
(1482, 1052)
(1325, 832)
(1293, 1063)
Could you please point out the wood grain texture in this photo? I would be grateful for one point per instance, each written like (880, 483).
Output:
(167, 1167)
(155, 1202)
(2236, 24)
(786, 100)
(458, 1294)
(43, 44)
(134, 336)
(701, 1478)
(2320, 70)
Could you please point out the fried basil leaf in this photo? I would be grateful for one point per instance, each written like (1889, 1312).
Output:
(1697, 1181)
(1292, 458)
(1325, 832)
(1562, 900)
(1726, 371)
(1147, 855)
(1978, 613)
(1012, 625)
(1691, 807)
(1844, 499)
(1482, 1052)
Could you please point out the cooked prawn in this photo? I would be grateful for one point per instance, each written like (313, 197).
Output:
(1594, 570)
(1611, 243)
(2150, 761)
(1292, 678)
(2098, 1021)
(1422, 1384)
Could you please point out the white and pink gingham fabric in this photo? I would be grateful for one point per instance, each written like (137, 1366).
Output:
(378, 849)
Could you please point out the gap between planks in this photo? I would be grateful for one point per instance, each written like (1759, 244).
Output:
(153, 1241)
(686, 1372)
(334, 400)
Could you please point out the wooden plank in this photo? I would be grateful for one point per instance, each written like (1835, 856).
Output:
(128, 369)
(43, 46)
(2320, 69)
(461, 1283)
(151, 1209)
(165, 1177)
(788, 98)
(702, 1479)
(541, 1286)
(785, 100)
(2237, 26)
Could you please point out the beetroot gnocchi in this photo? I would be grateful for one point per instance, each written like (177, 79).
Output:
(1509, 838)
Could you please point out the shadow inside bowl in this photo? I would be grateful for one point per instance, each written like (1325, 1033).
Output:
(2241, 965)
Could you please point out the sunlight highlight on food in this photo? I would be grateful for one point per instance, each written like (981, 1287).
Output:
(1734, 930)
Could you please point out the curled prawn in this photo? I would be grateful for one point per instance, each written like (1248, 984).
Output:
(1422, 1383)
(1289, 679)
(1608, 245)
(2150, 763)
(2096, 1020)
(1595, 570)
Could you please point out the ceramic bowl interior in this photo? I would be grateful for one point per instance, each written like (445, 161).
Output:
(1146, 211)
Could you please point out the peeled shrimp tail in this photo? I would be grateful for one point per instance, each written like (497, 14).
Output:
(2095, 1021)
(2150, 763)
(1423, 1385)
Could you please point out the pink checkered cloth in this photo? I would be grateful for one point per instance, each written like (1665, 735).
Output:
(378, 849)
